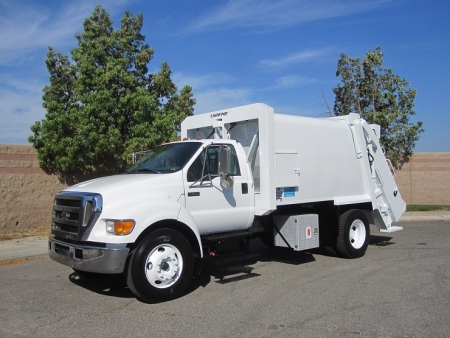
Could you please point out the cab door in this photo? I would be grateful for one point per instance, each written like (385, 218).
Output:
(214, 207)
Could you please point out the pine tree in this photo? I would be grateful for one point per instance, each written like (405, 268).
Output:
(105, 105)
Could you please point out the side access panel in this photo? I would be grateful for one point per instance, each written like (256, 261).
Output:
(299, 232)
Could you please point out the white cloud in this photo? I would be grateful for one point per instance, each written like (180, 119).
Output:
(270, 15)
(302, 56)
(26, 28)
(21, 107)
(214, 91)
(200, 82)
(221, 98)
(292, 81)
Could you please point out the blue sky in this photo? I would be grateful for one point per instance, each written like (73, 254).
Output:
(234, 52)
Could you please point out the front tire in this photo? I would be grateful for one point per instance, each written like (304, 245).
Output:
(354, 232)
(161, 266)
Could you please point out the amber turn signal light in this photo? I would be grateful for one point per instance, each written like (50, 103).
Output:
(120, 227)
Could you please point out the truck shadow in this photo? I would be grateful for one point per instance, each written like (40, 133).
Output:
(235, 267)
(224, 269)
(107, 285)
(380, 240)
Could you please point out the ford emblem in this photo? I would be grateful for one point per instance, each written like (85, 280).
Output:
(65, 215)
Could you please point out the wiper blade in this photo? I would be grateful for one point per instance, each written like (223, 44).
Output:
(149, 170)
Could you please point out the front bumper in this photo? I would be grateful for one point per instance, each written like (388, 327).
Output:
(90, 258)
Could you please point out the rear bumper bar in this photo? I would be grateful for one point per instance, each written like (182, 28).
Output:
(109, 260)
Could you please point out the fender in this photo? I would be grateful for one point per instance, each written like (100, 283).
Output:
(145, 213)
(186, 218)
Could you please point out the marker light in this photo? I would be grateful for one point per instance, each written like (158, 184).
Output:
(119, 227)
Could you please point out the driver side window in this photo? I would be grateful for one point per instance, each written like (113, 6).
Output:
(209, 160)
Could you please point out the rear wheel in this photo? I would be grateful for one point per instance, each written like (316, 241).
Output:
(161, 266)
(354, 234)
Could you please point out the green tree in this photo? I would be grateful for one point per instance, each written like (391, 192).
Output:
(105, 105)
(380, 97)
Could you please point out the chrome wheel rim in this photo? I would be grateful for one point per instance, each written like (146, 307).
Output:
(163, 266)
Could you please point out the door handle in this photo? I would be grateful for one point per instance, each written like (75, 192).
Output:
(192, 194)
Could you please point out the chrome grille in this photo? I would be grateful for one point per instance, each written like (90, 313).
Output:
(74, 214)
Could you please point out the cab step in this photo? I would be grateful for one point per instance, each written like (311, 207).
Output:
(226, 236)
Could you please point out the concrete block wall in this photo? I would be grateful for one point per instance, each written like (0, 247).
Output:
(26, 192)
(425, 179)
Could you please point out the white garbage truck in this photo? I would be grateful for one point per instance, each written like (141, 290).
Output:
(236, 175)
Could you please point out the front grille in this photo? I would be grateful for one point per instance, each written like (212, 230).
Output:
(66, 214)
(74, 214)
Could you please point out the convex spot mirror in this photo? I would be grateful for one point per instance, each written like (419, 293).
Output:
(224, 167)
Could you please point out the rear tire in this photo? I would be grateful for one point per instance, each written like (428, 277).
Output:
(354, 232)
(161, 266)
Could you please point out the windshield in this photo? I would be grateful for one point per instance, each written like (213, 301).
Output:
(166, 158)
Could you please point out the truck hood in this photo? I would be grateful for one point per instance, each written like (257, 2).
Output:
(128, 183)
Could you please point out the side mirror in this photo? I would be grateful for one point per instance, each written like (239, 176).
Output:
(224, 167)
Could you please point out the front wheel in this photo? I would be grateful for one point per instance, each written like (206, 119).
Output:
(354, 234)
(161, 266)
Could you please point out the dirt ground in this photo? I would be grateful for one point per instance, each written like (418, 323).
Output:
(24, 233)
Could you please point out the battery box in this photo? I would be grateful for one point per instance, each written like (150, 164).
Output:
(300, 232)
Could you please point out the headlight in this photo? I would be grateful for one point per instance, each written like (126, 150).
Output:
(119, 227)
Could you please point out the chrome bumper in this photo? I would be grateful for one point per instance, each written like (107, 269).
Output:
(88, 258)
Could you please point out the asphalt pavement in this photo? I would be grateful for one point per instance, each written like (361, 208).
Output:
(38, 246)
(400, 288)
